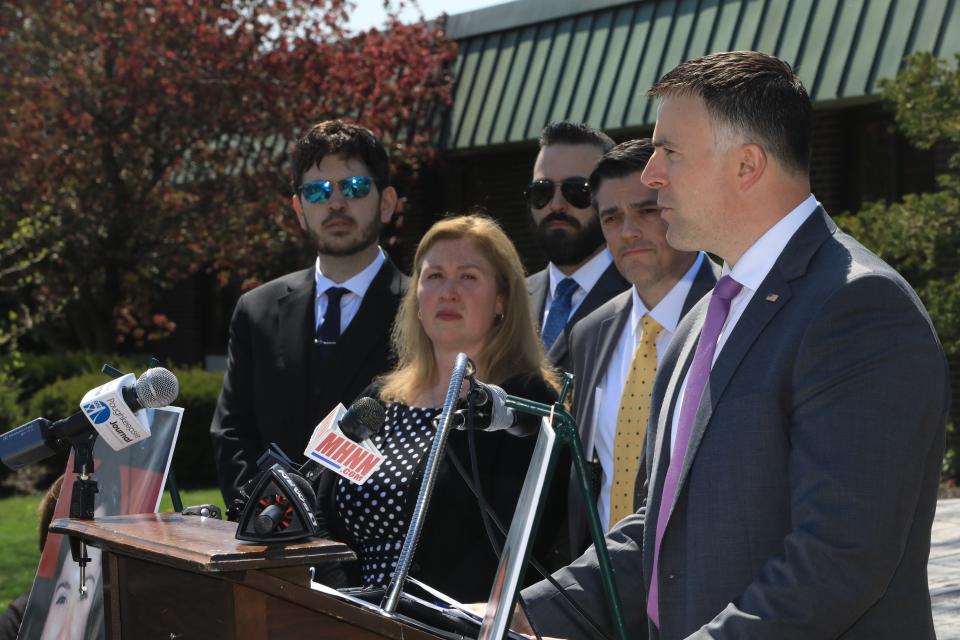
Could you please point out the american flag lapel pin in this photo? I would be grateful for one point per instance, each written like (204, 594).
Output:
(773, 297)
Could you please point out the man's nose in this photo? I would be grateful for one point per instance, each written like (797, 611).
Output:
(653, 175)
(631, 228)
(337, 198)
(558, 202)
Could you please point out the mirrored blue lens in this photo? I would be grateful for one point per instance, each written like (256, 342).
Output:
(316, 192)
(355, 187)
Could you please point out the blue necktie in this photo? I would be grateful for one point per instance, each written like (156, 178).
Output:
(329, 331)
(559, 311)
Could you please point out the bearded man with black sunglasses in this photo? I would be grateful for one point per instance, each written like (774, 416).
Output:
(310, 339)
(581, 275)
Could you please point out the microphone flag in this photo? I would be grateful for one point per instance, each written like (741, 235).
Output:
(329, 447)
(115, 422)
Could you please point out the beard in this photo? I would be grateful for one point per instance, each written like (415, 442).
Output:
(564, 248)
(348, 246)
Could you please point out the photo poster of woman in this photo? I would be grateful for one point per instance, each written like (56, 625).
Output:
(130, 481)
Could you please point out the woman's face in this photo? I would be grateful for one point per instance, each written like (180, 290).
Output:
(67, 616)
(458, 298)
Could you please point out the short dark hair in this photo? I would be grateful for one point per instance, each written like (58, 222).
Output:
(622, 160)
(755, 94)
(574, 133)
(344, 139)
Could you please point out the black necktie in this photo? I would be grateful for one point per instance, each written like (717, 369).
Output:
(329, 331)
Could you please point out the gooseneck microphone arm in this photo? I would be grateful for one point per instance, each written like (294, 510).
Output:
(392, 597)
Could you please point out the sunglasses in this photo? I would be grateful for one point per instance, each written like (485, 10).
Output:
(320, 191)
(576, 191)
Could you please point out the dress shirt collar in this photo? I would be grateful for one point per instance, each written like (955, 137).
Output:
(586, 276)
(668, 311)
(358, 284)
(758, 260)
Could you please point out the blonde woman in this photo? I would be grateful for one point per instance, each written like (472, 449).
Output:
(468, 294)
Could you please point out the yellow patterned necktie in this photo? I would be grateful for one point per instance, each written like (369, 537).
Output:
(632, 420)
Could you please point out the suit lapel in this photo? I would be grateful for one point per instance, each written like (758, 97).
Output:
(703, 283)
(661, 451)
(537, 285)
(677, 362)
(296, 324)
(607, 336)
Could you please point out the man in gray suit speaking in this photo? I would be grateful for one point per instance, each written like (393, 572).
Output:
(616, 348)
(799, 412)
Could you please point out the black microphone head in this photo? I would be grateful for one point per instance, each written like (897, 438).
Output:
(156, 388)
(363, 419)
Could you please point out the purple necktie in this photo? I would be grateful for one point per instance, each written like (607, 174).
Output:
(727, 288)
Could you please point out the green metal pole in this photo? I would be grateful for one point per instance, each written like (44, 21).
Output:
(567, 433)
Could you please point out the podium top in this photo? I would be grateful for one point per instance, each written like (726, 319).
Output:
(195, 543)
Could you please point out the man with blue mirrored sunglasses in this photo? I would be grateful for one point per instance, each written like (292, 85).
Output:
(310, 339)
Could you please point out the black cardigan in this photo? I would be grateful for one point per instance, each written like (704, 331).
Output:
(454, 554)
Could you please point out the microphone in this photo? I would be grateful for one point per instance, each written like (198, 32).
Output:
(363, 420)
(493, 400)
(488, 404)
(156, 388)
(108, 411)
(344, 445)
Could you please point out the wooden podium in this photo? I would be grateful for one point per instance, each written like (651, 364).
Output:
(169, 576)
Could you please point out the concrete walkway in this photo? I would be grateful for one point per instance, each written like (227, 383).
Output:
(944, 569)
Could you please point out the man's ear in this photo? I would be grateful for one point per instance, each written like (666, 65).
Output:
(298, 209)
(388, 204)
(752, 164)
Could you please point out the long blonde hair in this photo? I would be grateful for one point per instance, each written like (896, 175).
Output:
(512, 347)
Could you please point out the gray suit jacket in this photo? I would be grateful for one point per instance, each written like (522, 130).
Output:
(808, 491)
(538, 285)
(592, 343)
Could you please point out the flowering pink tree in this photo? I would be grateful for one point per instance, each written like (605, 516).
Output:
(145, 140)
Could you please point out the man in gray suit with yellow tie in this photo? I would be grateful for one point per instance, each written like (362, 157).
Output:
(794, 459)
(615, 349)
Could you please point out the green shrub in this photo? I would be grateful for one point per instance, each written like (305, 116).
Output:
(10, 410)
(39, 371)
(61, 398)
(11, 413)
(193, 458)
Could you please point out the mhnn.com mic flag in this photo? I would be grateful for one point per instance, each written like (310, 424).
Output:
(329, 447)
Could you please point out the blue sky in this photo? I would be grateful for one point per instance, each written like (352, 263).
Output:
(370, 13)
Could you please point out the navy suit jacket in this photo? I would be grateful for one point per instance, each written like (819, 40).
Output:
(808, 491)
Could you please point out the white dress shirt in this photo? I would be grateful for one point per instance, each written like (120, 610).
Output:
(750, 271)
(350, 302)
(586, 276)
(607, 396)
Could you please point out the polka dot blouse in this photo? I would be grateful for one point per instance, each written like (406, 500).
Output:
(377, 513)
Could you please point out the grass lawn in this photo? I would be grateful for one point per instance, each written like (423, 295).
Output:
(19, 537)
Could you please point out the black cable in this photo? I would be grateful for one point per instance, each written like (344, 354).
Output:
(539, 568)
(485, 509)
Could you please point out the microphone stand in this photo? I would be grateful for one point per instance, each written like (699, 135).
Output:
(85, 487)
(392, 597)
(565, 427)
(83, 497)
